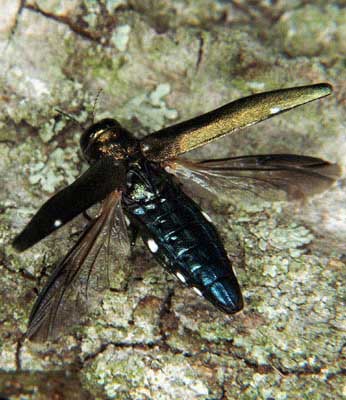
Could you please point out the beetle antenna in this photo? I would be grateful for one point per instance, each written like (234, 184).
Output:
(95, 104)
(69, 116)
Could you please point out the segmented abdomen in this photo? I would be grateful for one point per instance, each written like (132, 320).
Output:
(181, 238)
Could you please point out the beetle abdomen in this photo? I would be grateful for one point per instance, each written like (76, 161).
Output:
(180, 237)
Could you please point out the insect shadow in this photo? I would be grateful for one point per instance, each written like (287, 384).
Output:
(137, 183)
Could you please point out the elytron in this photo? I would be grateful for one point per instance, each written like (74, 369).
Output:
(138, 181)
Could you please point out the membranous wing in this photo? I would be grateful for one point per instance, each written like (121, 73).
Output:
(271, 176)
(174, 140)
(93, 186)
(78, 279)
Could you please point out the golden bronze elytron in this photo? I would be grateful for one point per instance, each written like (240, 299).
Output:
(177, 139)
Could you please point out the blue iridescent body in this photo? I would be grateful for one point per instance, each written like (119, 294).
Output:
(179, 236)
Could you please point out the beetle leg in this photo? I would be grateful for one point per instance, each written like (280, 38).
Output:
(134, 230)
(86, 216)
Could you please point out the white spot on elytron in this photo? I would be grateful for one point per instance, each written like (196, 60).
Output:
(206, 216)
(169, 169)
(153, 247)
(275, 110)
(181, 277)
(57, 223)
(197, 291)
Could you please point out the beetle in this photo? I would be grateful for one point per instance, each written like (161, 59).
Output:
(137, 180)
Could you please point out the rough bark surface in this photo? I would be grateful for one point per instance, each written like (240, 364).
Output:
(158, 62)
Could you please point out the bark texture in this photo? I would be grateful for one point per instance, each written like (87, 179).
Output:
(158, 62)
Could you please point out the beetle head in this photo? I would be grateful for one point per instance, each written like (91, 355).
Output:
(107, 138)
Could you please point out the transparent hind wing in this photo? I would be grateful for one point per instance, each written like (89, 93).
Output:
(272, 177)
(77, 281)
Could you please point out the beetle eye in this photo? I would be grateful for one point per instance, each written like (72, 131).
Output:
(96, 134)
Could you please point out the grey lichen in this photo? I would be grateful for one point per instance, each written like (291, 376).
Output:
(150, 374)
(120, 37)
